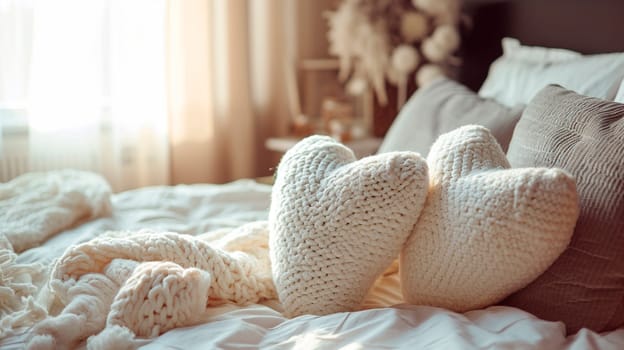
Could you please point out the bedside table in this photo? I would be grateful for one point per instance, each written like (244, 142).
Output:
(362, 147)
(265, 180)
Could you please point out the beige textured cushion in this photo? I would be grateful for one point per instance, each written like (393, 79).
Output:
(585, 136)
(444, 106)
(337, 223)
(486, 230)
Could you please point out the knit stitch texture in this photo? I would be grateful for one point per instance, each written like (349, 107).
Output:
(146, 283)
(335, 223)
(34, 207)
(486, 230)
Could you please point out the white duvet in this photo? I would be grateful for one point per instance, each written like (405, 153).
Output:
(384, 323)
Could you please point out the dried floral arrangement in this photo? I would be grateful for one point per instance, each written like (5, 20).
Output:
(393, 40)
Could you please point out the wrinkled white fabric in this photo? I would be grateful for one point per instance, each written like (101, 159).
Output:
(35, 206)
(400, 327)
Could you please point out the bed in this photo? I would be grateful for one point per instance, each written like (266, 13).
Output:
(77, 259)
(385, 322)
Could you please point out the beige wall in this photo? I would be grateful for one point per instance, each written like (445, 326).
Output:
(312, 27)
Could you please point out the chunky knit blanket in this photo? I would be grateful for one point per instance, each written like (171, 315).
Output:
(124, 285)
(34, 207)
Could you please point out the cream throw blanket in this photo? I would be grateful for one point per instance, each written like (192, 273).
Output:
(122, 285)
(34, 207)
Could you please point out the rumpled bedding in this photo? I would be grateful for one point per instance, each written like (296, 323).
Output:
(210, 213)
(35, 206)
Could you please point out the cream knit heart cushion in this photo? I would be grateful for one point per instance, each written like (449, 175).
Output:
(337, 223)
(486, 230)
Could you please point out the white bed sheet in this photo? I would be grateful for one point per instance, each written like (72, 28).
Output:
(385, 323)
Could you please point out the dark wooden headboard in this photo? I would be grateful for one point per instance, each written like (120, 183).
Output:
(586, 26)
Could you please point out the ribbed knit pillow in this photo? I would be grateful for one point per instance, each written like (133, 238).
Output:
(585, 136)
(486, 230)
(337, 223)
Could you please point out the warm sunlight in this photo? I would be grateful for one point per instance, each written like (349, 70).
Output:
(84, 83)
(67, 78)
(311, 174)
(96, 65)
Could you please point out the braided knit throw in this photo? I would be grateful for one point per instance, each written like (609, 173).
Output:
(146, 283)
(337, 223)
(486, 230)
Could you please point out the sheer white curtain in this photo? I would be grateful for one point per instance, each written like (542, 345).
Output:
(87, 80)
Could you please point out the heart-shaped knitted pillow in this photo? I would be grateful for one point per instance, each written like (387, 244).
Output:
(486, 230)
(336, 222)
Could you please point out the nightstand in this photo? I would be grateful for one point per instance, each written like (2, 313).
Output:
(361, 147)
(265, 180)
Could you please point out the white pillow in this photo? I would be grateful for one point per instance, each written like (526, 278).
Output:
(515, 78)
(486, 230)
(514, 50)
(336, 223)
